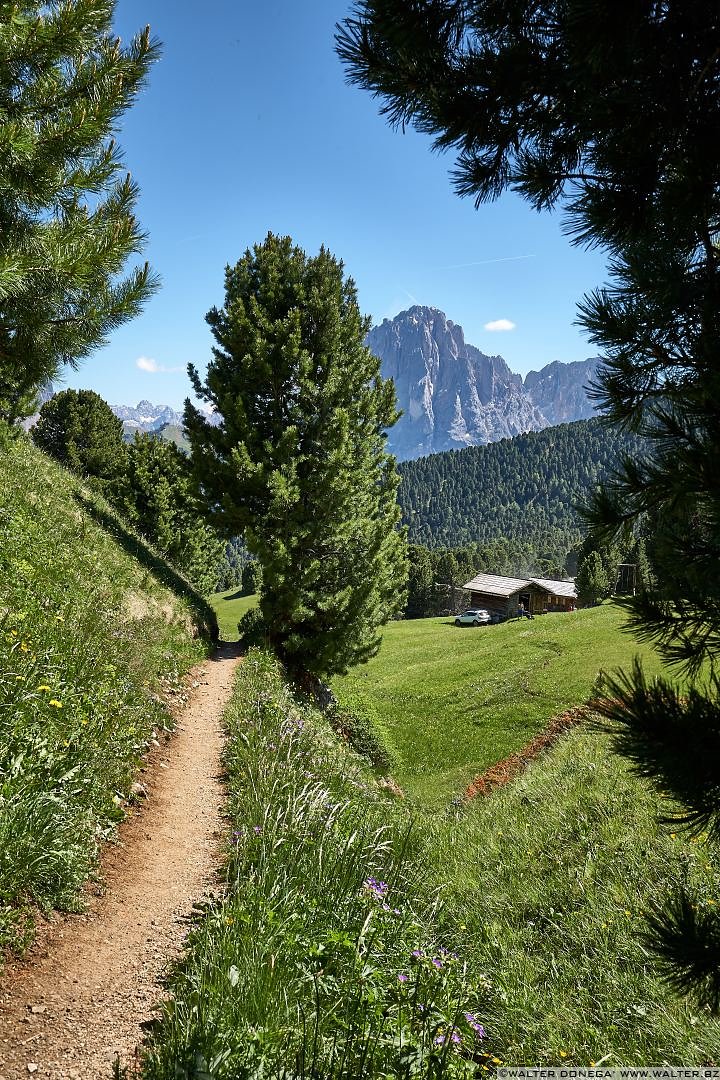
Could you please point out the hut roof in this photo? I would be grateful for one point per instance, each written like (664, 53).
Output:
(495, 585)
(557, 588)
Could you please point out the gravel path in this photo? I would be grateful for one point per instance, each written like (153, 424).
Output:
(81, 999)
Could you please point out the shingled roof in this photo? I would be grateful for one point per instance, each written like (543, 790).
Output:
(495, 585)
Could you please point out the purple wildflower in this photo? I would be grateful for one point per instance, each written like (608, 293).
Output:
(377, 888)
(436, 962)
(475, 1025)
(402, 978)
(454, 1037)
(417, 954)
(257, 829)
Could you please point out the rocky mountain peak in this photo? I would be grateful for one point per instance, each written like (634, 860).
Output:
(453, 395)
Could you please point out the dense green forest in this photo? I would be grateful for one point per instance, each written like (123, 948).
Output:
(523, 490)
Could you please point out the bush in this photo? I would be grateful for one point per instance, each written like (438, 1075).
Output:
(252, 629)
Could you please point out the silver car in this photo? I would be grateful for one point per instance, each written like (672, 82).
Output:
(473, 617)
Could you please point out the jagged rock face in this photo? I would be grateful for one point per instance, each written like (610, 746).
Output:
(452, 395)
(560, 390)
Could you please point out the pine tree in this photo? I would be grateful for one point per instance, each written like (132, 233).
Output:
(298, 464)
(159, 500)
(81, 431)
(67, 224)
(615, 118)
(592, 583)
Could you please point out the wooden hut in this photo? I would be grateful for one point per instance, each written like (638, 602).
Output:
(506, 596)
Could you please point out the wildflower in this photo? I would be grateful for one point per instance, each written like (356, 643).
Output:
(257, 829)
(454, 1037)
(377, 888)
(436, 962)
(56, 704)
(402, 978)
(44, 688)
(24, 647)
(475, 1024)
(447, 955)
(417, 954)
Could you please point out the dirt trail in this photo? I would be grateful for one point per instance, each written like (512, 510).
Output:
(81, 999)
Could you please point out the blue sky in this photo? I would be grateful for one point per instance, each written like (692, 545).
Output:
(247, 126)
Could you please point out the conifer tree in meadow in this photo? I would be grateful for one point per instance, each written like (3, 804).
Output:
(67, 222)
(298, 464)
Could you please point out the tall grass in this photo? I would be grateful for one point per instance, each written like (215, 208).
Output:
(89, 638)
(550, 880)
(324, 959)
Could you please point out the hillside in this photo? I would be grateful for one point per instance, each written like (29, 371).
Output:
(354, 926)
(96, 633)
(517, 489)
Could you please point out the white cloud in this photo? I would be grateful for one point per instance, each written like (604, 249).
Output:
(500, 324)
(146, 363)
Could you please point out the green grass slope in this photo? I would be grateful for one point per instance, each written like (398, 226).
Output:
(229, 607)
(322, 959)
(358, 939)
(93, 627)
(448, 702)
(546, 884)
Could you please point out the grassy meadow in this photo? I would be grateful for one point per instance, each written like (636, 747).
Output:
(94, 630)
(229, 607)
(447, 701)
(364, 936)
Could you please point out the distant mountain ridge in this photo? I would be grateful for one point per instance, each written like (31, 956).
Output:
(145, 416)
(453, 395)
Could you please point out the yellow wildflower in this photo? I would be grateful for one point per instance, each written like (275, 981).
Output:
(45, 687)
(55, 703)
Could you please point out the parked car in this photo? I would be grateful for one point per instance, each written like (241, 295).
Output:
(473, 617)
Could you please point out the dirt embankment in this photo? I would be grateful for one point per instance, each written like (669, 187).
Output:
(510, 767)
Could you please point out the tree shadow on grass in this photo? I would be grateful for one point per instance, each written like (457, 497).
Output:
(139, 550)
(239, 595)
